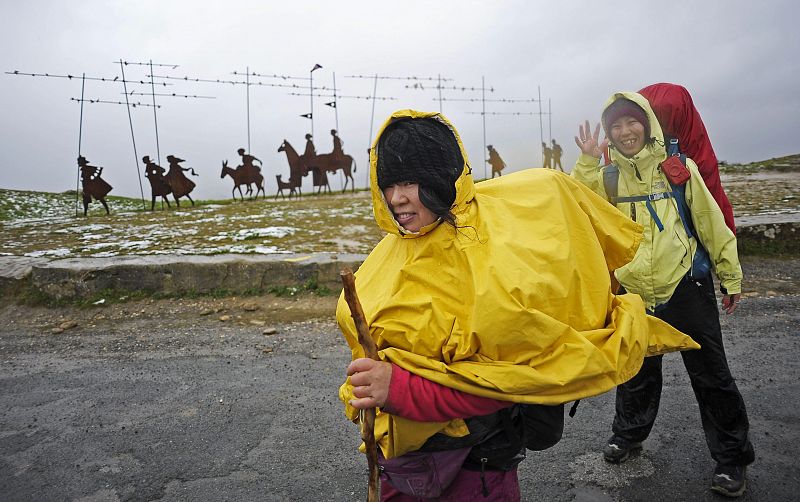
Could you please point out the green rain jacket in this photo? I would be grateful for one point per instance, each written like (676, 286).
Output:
(665, 256)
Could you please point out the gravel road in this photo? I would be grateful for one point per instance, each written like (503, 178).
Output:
(185, 400)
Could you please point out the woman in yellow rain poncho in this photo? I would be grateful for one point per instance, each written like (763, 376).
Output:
(480, 298)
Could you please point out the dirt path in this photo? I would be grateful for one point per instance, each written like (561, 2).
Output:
(256, 311)
(764, 277)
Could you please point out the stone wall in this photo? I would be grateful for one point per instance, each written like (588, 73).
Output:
(86, 278)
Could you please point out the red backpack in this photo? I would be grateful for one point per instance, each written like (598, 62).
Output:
(679, 119)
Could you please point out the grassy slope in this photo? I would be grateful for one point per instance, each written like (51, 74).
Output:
(789, 163)
(45, 224)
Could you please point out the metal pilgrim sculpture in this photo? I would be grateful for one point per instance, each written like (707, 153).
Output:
(319, 165)
(337, 144)
(94, 187)
(556, 152)
(334, 161)
(240, 178)
(181, 185)
(159, 186)
(297, 167)
(319, 178)
(548, 154)
(495, 161)
(247, 174)
(247, 165)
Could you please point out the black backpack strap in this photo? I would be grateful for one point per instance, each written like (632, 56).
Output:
(574, 408)
(673, 147)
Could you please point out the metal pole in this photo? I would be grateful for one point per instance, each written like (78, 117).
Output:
(133, 139)
(483, 114)
(155, 117)
(372, 119)
(335, 104)
(247, 81)
(550, 119)
(311, 93)
(440, 93)
(541, 133)
(336, 114)
(80, 135)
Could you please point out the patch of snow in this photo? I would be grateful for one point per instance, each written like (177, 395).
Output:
(255, 249)
(250, 233)
(98, 245)
(58, 252)
(136, 244)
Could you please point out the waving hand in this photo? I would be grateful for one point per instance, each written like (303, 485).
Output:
(589, 143)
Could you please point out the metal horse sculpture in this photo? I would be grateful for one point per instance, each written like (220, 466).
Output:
(297, 167)
(240, 178)
(330, 163)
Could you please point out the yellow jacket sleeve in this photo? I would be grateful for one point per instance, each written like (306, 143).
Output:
(587, 171)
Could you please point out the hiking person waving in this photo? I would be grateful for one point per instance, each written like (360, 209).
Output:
(685, 238)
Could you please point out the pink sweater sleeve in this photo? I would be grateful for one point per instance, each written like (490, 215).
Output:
(411, 396)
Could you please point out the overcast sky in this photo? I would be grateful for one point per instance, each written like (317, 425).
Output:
(739, 59)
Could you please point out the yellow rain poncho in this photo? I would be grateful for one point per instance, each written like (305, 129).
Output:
(515, 304)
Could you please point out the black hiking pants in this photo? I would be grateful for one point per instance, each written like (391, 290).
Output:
(692, 310)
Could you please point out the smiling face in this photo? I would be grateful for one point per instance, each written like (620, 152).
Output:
(627, 135)
(408, 210)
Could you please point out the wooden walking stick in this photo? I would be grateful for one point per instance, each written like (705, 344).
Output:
(367, 416)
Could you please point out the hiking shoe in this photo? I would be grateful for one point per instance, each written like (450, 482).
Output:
(619, 450)
(729, 480)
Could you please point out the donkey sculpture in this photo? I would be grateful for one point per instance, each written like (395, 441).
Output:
(242, 178)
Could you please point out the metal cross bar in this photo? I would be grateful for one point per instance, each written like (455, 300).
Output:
(172, 95)
(133, 105)
(237, 82)
(282, 77)
(101, 79)
(379, 98)
(498, 100)
(127, 63)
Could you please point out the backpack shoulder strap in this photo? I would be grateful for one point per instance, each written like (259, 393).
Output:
(611, 182)
(684, 212)
(701, 262)
(672, 146)
(679, 191)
